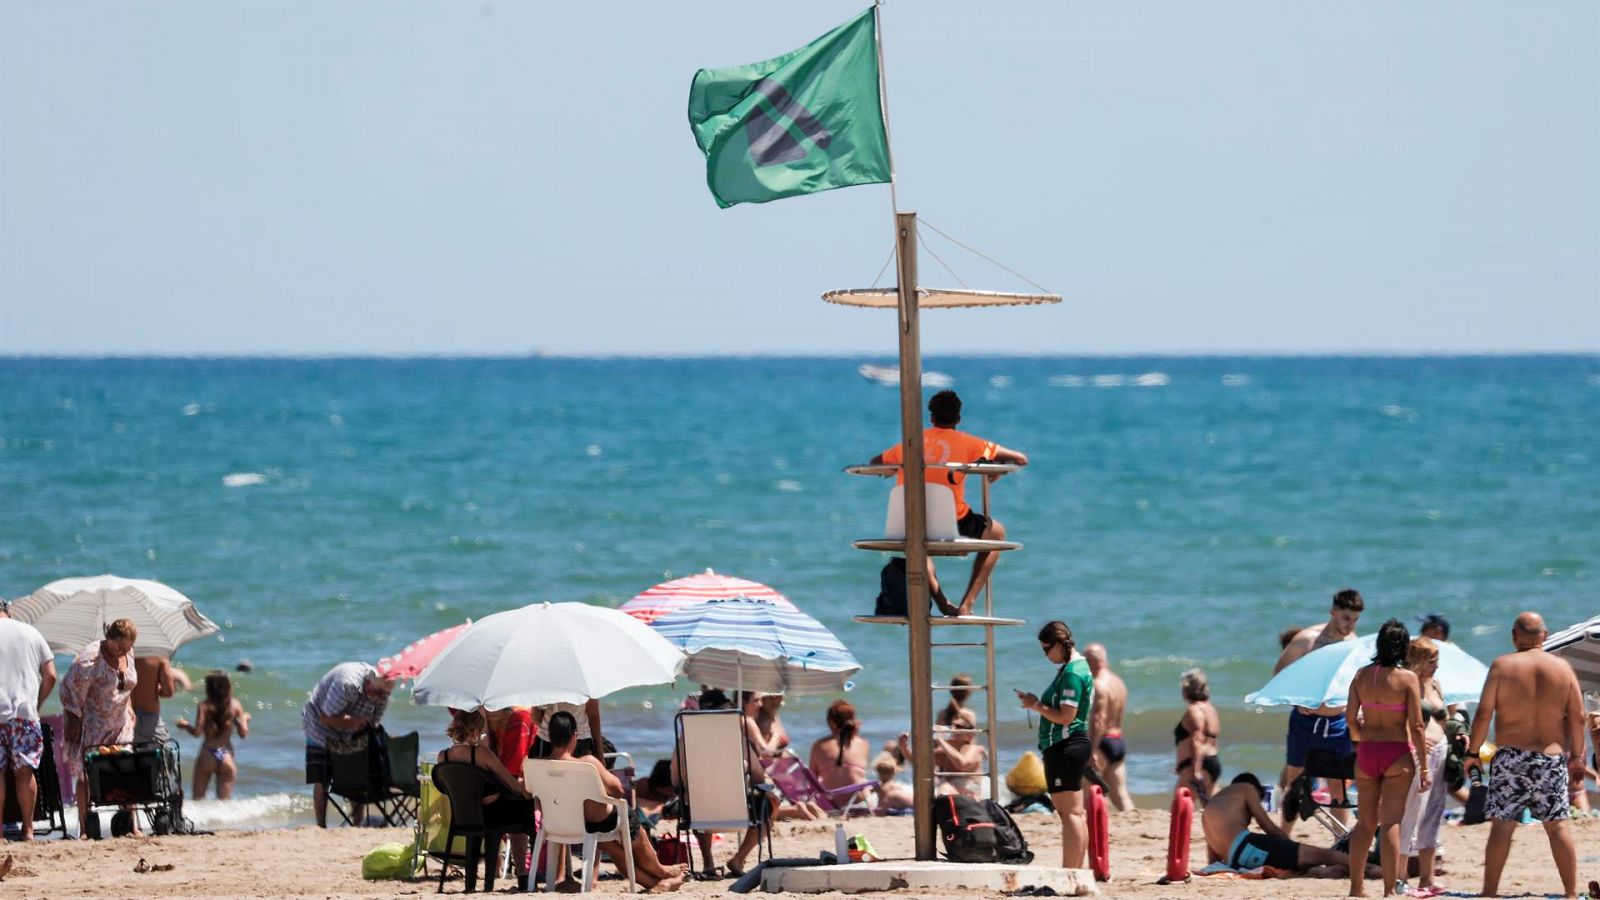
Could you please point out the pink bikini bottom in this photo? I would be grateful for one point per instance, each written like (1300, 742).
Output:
(1373, 758)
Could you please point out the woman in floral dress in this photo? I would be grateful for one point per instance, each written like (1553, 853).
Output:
(95, 693)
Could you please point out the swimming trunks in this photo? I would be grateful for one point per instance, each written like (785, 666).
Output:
(1252, 851)
(1312, 732)
(21, 744)
(1113, 748)
(1373, 758)
(1064, 762)
(1523, 779)
(972, 525)
(609, 823)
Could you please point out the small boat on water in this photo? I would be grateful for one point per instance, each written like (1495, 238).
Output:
(890, 376)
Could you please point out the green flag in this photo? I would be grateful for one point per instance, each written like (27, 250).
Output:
(804, 122)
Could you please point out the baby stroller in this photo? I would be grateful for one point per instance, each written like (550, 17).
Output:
(142, 777)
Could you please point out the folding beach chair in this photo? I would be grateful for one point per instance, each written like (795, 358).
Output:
(714, 781)
(1300, 798)
(49, 806)
(798, 784)
(375, 777)
(561, 787)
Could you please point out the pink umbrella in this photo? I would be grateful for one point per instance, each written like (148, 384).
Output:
(674, 595)
(410, 662)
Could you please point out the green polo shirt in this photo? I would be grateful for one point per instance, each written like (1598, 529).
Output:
(1073, 684)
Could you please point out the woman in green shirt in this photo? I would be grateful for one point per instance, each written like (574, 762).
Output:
(1064, 736)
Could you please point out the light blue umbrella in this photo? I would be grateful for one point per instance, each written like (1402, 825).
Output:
(1323, 676)
(754, 645)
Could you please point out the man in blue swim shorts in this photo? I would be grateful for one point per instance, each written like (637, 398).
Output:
(1323, 728)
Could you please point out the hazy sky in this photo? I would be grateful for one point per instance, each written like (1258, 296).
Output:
(496, 177)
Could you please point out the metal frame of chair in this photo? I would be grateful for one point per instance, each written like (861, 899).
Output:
(789, 766)
(396, 798)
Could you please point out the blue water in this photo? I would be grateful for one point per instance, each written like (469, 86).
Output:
(1181, 523)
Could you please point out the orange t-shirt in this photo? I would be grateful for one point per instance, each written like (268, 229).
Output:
(946, 445)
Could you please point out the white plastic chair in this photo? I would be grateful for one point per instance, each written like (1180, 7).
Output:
(561, 787)
(940, 513)
(713, 772)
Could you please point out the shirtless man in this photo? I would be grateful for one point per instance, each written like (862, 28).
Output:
(599, 818)
(154, 685)
(1539, 730)
(1323, 728)
(1108, 752)
(942, 443)
(1226, 822)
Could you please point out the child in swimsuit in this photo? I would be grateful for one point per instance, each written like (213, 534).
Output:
(216, 719)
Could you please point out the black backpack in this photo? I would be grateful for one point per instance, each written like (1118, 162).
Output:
(892, 589)
(978, 831)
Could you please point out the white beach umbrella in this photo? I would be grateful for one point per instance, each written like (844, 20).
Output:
(1580, 646)
(547, 653)
(73, 612)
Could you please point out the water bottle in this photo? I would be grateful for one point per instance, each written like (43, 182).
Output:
(841, 844)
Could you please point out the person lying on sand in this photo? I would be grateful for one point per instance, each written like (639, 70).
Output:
(1226, 822)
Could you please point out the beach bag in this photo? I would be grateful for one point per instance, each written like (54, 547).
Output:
(966, 829)
(892, 589)
(978, 831)
(385, 861)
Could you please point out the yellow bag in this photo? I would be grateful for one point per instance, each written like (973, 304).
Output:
(1027, 776)
(389, 861)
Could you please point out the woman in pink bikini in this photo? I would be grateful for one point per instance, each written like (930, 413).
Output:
(1385, 718)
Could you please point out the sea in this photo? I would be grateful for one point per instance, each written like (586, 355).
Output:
(1181, 510)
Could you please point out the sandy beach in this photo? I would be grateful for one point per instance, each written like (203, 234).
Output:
(304, 862)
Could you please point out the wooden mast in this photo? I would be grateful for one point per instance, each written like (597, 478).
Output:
(919, 639)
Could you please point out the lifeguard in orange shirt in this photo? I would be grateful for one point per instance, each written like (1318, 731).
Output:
(942, 443)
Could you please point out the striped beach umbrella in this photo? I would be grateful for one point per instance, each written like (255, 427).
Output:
(678, 593)
(757, 645)
(1580, 646)
(73, 612)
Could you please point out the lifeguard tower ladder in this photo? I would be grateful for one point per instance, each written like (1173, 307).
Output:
(909, 300)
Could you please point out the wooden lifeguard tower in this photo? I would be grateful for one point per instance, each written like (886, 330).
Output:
(910, 299)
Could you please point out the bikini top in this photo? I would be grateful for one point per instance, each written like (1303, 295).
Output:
(1181, 734)
(1385, 707)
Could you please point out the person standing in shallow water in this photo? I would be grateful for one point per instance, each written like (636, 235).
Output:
(942, 443)
(1064, 710)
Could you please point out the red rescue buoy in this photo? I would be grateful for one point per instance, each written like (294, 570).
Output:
(1099, 835)
(1178, 836)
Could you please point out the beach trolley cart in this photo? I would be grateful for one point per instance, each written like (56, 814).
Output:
(142, 777)
(49, 806)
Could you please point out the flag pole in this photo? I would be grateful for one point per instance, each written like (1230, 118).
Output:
(883, 100)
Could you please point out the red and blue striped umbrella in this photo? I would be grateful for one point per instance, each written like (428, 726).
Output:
(679, 593)
(757, 645)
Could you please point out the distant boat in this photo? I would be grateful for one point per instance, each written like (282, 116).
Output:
(887, 375)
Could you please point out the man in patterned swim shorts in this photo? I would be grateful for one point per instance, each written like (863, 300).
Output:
(27, 675)
(1539, 729)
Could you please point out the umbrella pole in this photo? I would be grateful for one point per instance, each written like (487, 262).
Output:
(918, 649)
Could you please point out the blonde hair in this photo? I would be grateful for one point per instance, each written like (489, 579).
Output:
(1196, 687)
(885, 766)
(1421, 652)
(467, 725)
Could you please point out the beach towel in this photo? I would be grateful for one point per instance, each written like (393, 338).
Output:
(1224, 870)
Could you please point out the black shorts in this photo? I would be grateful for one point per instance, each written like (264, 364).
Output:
(609, 824)
(1113, 749)
(1065, 762)
(319, 769)
(972, 525)
(508, 811)
(1251, 850)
